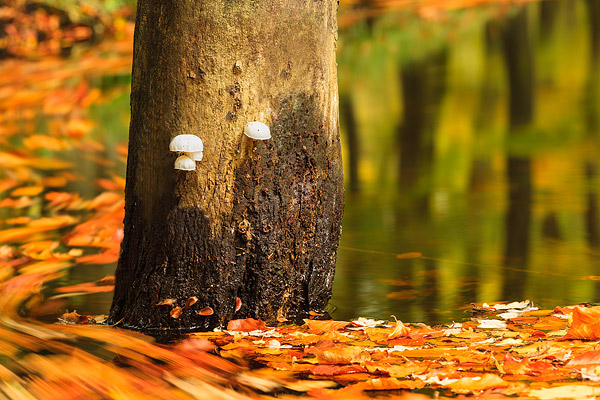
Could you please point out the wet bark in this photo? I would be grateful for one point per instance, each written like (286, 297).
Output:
(256, 220)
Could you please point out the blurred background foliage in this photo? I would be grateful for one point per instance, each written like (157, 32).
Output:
(470, 135)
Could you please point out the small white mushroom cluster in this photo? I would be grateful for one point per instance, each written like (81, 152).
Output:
(257, 130)
(192, 146)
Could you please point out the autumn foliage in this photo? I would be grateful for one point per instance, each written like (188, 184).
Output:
(500, 351)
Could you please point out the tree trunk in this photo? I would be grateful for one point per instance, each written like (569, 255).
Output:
(256, 220)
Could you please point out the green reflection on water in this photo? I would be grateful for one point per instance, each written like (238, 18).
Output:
(473, 140)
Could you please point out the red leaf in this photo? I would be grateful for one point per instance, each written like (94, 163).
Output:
(246, 325)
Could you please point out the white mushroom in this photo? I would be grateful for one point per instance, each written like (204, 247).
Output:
(195, 155)
(186, 143)
(257, 130)
(185, 163)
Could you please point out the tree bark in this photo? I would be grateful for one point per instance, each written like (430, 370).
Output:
(256, 220)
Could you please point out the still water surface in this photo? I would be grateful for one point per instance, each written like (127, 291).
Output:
(480, 151)
(471, 138)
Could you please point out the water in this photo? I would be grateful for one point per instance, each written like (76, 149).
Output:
(480, 151)
(491, 175)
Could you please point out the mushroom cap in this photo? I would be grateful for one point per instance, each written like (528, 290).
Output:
(257, 130)
(185, 163)
(186, 143)
(195, 155)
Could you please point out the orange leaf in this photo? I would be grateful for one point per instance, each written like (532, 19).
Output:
(337, 369)
(389, 384)
(107, 280)
(343, 355)
(176, 312)
(35, 226)
(238, 304)
(191, 301)
(108, 256)
(514, 366)
(75, 317)
(88, 287)
(587, 315)
(585, 359)
(325, 326)
(165, 302)
(105, 199)
(206, 311)
(18, 221)
(399, 330)
(21, 202)
(27, 191)
(246, 325)
(470, 384)
(583, 332)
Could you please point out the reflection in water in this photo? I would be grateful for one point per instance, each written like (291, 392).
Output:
(347, 117)
(496, 139)
(518, 56)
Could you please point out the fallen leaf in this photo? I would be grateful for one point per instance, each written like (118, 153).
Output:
(191, 301)
(325, 326)
(389, 384)
(176, 312)
(399, 330)
(88, 287)
(206, 311)
(75, 317)
(337, 369)
(238, 304)
(566, 392)
(586, 359)
(477, 383)
(246, 325)
(30, 191)
(166, 302)
(343, 355)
